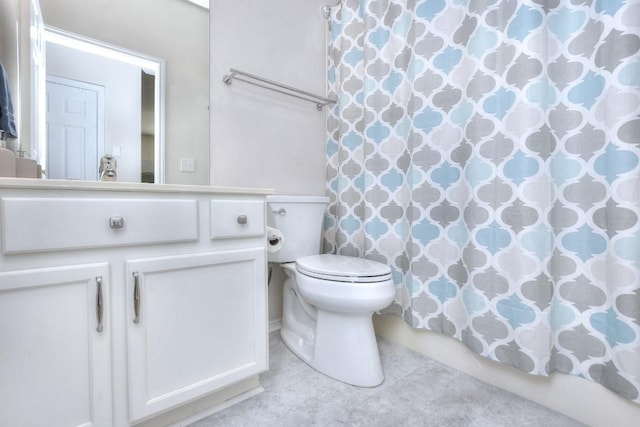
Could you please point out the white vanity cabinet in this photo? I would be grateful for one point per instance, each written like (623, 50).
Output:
(129, 304)
(55, 344)
(193, 325)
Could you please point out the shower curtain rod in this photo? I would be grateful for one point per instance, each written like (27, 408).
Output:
(252, 79)
(326, 9)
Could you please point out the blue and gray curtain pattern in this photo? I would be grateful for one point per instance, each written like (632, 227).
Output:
(489, 152)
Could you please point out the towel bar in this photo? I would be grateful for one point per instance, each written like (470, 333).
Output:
(274, 86)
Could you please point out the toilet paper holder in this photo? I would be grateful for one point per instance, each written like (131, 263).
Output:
(275, 239)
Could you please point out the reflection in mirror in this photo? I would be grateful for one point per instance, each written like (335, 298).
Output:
(177, 31)
(102, 100)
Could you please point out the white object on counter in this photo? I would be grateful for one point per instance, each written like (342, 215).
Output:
(7, 163)
(26, 168)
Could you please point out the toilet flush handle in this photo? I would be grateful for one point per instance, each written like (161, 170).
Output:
(281, 212)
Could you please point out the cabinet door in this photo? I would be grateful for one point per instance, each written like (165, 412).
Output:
(55, 351)
(197, 323)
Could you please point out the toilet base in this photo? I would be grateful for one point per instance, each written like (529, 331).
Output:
(345, 348)
(303, 348)
(341, 345)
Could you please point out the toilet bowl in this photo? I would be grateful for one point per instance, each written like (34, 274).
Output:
(344, 284)
(328, 300)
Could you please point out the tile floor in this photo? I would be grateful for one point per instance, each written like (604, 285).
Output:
(417, 391)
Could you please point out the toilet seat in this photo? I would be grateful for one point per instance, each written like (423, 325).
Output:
(340, 268)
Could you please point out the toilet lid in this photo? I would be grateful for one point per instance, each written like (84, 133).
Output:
(342, 268)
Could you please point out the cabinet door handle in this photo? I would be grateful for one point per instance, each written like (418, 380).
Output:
(99, 303)
(136, 298)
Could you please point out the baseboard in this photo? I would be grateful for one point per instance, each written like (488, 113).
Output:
(578, 398)
(275, 325)
(224, 405)
(198, 409)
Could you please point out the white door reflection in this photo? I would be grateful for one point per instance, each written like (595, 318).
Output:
(75, 128)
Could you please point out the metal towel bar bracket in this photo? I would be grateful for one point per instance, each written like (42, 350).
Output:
(252, 79)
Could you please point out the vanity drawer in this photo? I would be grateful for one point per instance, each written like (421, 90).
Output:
(237, 218)
(46, 224)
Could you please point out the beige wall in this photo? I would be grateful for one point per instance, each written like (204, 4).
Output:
(174, 30)
(260, 138)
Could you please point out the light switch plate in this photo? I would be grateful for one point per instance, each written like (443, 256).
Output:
(187, 165)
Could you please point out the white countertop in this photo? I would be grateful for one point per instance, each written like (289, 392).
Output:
(55, 184)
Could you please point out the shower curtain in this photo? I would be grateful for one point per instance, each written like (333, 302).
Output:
(488, 151)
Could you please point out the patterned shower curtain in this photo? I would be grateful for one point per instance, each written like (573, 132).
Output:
(488, 151)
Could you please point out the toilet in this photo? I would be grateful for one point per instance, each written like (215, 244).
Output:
(328, 300)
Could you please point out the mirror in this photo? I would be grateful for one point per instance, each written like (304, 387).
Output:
(173, 31)
(81, 74)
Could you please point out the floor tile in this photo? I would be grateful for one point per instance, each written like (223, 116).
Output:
(506, 407)
(417, 391)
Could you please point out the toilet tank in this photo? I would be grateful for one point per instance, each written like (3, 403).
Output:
(299, 218)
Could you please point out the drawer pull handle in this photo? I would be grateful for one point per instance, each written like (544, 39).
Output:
(116, 222)
(281, 212)
(242, 219)
(136, 298)
(99, 303)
